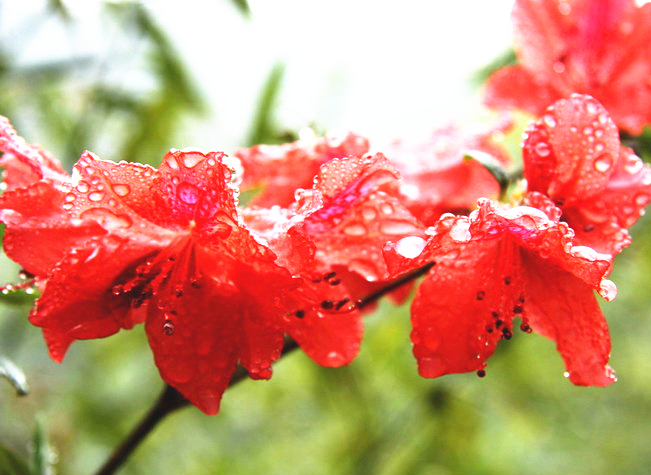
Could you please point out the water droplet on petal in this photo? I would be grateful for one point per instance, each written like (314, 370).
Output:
(169, 328)
(608, 290)
(603, 163)
(355, 229)
(396, 227)
(70, 197)
(558, 67)
(107, 218)
(410, 246)
(549, 120)
(602, 118)
(95, 196)
(387, 208)
(121, 190)
(591, 107)
(542, 149)
(187, 193)
(461, 231)
(335, 359)
(190, 160)
(82, 187)
(633, 164)
(642, 199)
(369, 213)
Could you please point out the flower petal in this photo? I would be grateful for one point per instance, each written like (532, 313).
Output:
(565, 310)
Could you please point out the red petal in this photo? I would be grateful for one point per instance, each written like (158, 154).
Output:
(195, 343)
(564, 309)
(571, 152)
(323, 321)
(194, 187)
(77, 300)
(282, 169)
(514, 86)
(350, 217)
(38, 231)
(457, 308)
(24, 163)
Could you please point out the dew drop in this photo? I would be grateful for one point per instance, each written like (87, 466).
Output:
(549, 120)
(542, 149)
(191, 160)
(82, 187)
(95, 196)
(461, 231)
(355, 229)
(121, 189)
(633, 164)
(599, 147)
(410, 246)
(169, 328)
(603, 163)
(70, 197)
(386, 208)
(481, 373)
(396, 227)
(67, 206)
(107, 218)
(602, 118)
(558, 67)
(369, 213)
(588, 130)
(608, 290)
(187, 193)
(642, 199)
(335, 358)
(591, 107)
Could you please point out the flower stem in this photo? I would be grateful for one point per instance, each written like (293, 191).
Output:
(171, 400)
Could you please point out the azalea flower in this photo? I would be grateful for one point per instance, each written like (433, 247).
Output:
(573, 155)
(437, 175)
(349, 214)
(497, 264)
(601, 48)
(168, 247)
(281, 169)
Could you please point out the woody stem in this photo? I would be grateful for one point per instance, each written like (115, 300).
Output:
(171, 400)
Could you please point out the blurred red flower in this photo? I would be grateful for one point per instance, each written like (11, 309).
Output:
(596, 47)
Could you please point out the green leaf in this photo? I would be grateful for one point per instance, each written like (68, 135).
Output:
(493, 166)
(264, 128)
(243, 7)
(43, 453)
(11, 464)
(14, 375)
(507, 58)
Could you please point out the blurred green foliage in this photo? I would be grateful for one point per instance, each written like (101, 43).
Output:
(376, 416)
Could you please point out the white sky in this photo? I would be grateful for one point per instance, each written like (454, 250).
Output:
(384, 69)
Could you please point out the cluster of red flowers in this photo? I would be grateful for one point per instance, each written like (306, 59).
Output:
(117, 244)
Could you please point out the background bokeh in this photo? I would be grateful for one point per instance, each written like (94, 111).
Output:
(129, 80)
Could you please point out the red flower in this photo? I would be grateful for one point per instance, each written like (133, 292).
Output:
(349, 215)
(167, 247)
(499, 264)
(281, 169)
(574, 156)
(601, 48)
(438, 179)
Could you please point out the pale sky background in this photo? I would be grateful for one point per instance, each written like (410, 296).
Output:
(382, 69)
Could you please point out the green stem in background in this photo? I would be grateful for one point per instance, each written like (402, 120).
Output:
(171, 400)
